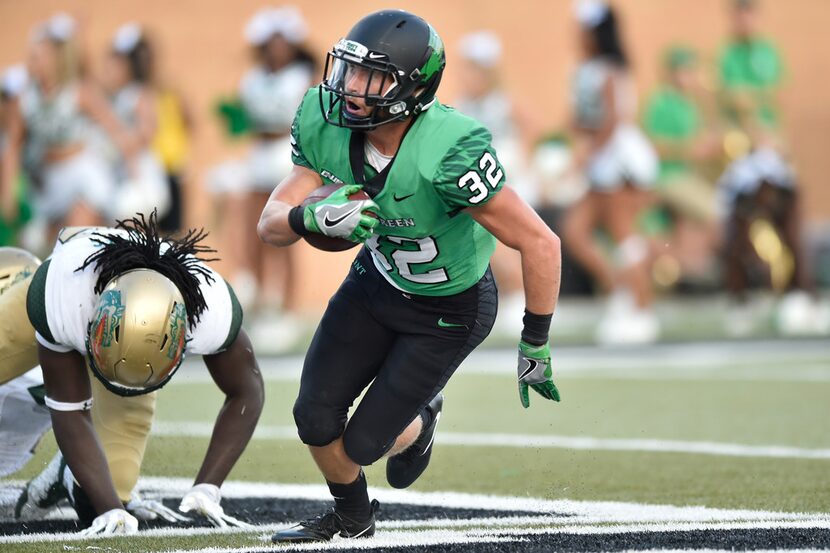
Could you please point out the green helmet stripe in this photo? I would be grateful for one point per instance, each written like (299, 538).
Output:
(436, 59)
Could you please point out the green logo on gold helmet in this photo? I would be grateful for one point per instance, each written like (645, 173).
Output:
(110, 311)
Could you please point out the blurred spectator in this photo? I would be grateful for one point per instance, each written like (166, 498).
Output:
(127, 79)
(750, 72)
(54, 113)
(171, 141)
(620, 166)
(763, 245)
(676, 121)
(13, 82)
(269, 95)
(171, 144)
(760, 199)
(560, 187)
(483, 98)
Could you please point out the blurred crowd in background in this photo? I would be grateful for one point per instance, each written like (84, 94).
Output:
(685, 189)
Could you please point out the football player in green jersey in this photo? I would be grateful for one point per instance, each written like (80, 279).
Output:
(419, 296)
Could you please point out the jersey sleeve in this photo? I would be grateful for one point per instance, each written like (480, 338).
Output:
(298, 156)
(469, 174)
(219, 324)
(36, 310)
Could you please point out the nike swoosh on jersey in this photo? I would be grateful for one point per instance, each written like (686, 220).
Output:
(334, 222)
(444, 324)
(402, 198)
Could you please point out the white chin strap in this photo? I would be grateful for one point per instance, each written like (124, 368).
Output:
(84, 405)
(428, 105)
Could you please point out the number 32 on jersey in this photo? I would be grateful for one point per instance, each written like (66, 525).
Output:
(472, 181)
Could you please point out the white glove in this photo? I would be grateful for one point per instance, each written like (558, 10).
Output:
(111, 523)
(150, 509)
(204, 499)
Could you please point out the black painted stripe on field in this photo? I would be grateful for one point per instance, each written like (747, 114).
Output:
(273, 510)
(268, 510)
(724, 540)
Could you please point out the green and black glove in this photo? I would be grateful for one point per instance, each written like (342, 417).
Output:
(535, 372)
(534, 358)
(339, 217)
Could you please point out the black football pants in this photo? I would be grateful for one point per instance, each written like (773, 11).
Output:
(404, 347)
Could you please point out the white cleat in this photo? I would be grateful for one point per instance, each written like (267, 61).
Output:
(623, 324)
(44, 491)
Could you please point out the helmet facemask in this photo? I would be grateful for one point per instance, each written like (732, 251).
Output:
(383, 90)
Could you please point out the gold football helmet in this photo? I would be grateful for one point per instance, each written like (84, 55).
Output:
(136, 338)
(15, 265)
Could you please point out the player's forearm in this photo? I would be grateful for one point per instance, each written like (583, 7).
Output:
(541, 272)
(273, 227)
(233, 430)
(76, 439)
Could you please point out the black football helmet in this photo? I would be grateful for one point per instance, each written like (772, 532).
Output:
(401, 58)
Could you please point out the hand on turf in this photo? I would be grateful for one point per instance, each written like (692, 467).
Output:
(150, 509)
(111, 523)
(339, 217)
(534, 371)
(204, 499)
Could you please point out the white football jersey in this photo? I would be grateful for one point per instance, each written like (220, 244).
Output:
(69, 299)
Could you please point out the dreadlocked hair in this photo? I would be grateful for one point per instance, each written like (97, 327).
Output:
(141, 249)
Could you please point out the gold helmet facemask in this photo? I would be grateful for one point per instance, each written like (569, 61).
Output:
(15, 265)
(136, 338)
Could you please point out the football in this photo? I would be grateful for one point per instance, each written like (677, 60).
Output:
(320, 241)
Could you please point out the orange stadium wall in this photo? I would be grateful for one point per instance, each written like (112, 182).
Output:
(202, 53)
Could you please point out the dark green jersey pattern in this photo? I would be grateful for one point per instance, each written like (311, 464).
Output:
(425, 244)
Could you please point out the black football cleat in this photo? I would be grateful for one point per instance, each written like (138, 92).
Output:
(405, 467)
(324, 527)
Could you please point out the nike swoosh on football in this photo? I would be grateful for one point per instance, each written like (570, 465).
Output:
(443, 324)
(334, 222)
(402, 198)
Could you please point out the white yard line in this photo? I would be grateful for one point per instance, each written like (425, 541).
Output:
(555, 516)
(561, 511)
(387, 539)
(263, 432)
(771, 371)
(775, 361)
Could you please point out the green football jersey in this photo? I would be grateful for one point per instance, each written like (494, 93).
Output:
(425, 243)
(756, 66)
(674, 117)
